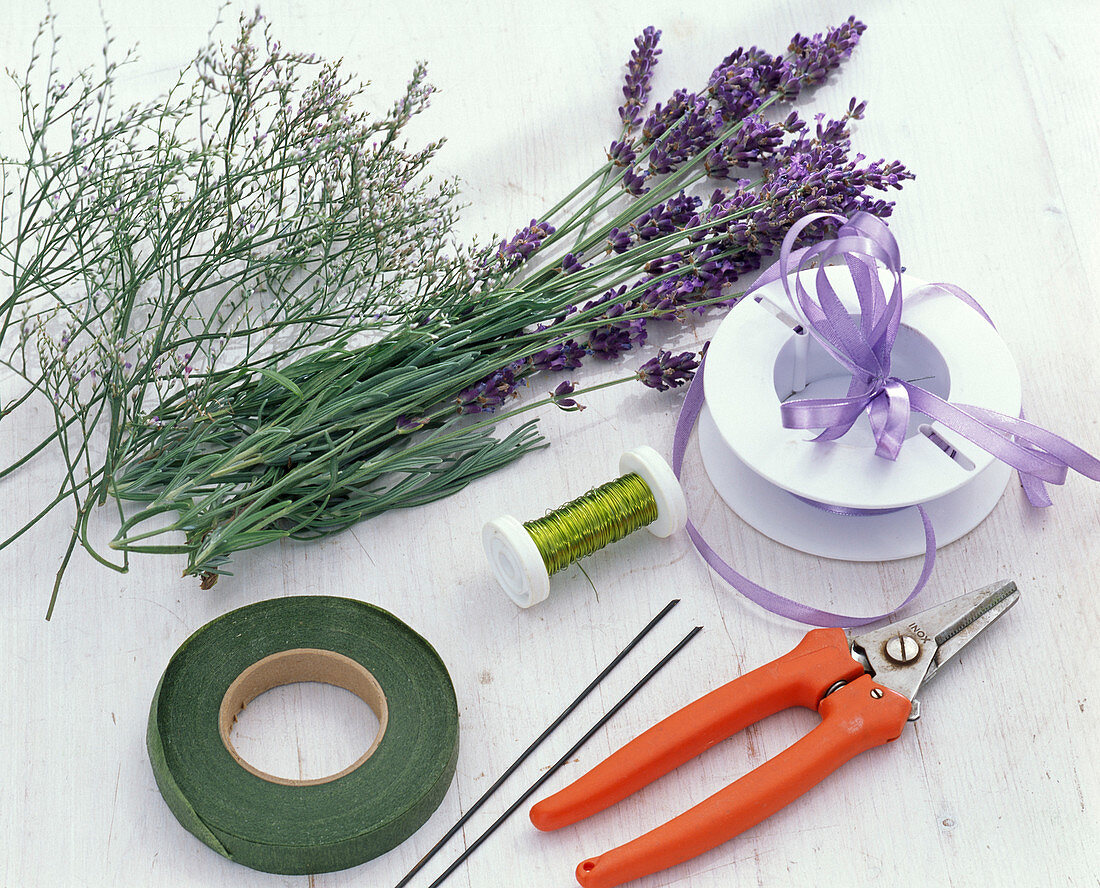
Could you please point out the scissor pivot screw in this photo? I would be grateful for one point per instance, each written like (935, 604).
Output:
(877, 693)
(902, 648)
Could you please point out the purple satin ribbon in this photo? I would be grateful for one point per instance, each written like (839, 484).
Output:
(773, 601)
(1040, 457)
(863, 346)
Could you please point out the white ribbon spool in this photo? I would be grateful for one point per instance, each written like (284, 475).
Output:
(756, 360)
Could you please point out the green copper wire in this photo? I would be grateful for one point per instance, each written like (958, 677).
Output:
(592, 521)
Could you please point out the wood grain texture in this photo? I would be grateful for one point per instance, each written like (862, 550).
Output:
(994, 105)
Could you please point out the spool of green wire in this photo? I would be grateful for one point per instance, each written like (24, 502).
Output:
(596, 519)
(523, 556)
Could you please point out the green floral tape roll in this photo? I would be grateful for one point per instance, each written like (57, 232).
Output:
(304, 826)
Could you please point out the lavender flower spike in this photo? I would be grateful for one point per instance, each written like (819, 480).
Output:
(526, 242)
(667, 370)
(812, 58)
(560, 397)
(639, 78)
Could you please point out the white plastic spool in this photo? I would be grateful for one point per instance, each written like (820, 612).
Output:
(516, 560)
(757, 359)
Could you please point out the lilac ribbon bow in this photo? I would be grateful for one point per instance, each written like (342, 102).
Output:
(864, 348)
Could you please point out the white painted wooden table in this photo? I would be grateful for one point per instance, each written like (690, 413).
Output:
(993, 104)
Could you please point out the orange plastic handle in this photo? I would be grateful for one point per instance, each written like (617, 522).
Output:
(854, 719)
(798, 678)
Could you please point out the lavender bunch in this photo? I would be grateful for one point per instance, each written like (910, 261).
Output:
(697, 192)
(246, 292)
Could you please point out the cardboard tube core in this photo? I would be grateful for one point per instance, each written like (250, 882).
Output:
(290, 667)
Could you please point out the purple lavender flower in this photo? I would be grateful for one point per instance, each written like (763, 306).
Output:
(812, 174)
(621, 154)
(618, 241)
(468, 401)
(812, 58)
(882, 175)
(687, 125)
(619, 334)
(754, 140)
(794, 124)
(406, 426)
(667, 370)
(566, 355)
(745, 78)
(560, 397)
(660, 162)
(664, 116)
(660, 299)
(634, 182)
(639, 77)
(665, 218)
(525, 242)
(571, 264)
(488, 394)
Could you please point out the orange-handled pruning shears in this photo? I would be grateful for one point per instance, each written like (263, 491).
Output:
(863, 686)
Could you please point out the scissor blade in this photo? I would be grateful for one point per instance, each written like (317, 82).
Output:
(908, 653)
(983, 608)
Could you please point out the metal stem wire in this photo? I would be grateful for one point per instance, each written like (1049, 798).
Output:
(561, 761)
(523, 756)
